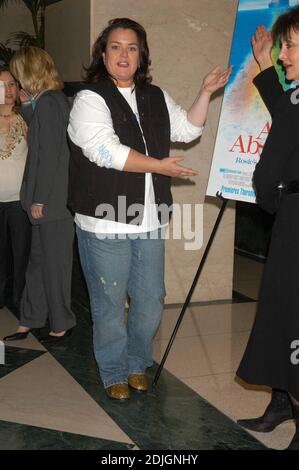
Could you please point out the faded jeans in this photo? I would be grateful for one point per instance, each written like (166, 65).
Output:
(113, 268)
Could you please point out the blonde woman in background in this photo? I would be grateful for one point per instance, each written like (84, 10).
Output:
(14, 223)
(47, 293)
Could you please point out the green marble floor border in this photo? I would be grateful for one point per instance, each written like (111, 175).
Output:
(14, 436)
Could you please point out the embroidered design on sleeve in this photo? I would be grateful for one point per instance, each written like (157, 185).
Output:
(105, 156)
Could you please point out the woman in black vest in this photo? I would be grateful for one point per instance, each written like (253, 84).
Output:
(120, 130)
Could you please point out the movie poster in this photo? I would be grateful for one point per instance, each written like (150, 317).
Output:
(244, 120)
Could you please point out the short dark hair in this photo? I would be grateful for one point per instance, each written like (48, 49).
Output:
(285, 23)
(97, 70)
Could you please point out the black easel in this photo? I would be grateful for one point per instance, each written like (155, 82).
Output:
(188, 298)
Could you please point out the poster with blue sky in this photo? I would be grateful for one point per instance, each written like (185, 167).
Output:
(244, 120)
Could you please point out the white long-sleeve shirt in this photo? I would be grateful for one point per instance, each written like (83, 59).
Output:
(91, 129)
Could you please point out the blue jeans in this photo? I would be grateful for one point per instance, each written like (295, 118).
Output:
(114, 268)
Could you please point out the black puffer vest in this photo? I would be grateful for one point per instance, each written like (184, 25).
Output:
(91, 185)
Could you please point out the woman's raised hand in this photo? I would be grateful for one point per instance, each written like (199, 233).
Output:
(262, 44)
(216, 79)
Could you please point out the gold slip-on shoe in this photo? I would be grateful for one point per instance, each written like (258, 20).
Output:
(118, 392)
(138, 382)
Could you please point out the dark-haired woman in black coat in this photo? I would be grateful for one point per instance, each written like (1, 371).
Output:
(272, 354)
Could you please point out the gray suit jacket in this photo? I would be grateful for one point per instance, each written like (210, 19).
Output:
(46, 172)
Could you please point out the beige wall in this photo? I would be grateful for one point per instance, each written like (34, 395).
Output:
(186, 39)
(68, 36)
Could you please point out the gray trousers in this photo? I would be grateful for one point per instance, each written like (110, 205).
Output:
(47, 293)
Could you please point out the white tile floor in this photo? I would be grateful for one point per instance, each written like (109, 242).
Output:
(208, 349)
(42, 393)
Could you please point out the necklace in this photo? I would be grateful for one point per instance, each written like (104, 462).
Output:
(5, 115)
(12, 139)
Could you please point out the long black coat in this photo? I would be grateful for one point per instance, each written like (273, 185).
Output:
(268, 358)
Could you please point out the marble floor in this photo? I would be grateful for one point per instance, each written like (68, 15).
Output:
(53, 398)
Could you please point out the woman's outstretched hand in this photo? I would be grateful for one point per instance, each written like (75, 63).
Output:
(170, 167)
(216, 79)
(262, 44)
